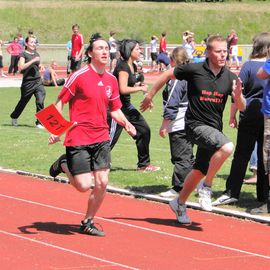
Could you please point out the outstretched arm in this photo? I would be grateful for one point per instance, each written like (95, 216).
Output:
(161, 81)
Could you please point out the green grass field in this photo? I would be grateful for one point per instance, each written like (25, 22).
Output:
(26, 148)
(52, 20)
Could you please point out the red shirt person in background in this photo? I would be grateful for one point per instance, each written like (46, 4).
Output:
(77, 48)
(233, 54)
(163, 43)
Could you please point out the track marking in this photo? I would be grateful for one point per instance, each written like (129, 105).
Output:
(67, 250)
(143, 228)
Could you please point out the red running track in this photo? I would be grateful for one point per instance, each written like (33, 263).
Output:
(40, 219)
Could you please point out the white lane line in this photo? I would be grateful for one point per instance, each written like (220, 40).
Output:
(145, 229)
(67, 250)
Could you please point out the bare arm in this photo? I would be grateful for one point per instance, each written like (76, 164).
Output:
(239, 100)
(22, 65)
(161, 81)
(54, 77)
(125, 89)
(233, 120)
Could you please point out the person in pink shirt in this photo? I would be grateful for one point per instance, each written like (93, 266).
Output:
(14, 49)
(77, 48)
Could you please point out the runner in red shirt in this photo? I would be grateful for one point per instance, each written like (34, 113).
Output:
(90, 91)
(77, 48)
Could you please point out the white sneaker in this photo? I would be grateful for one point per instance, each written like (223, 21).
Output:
(4, 75)
(205, 198)
(14, 122)
(180, 211)
(224, 199)
(169, 194)
(199, 186)
(40, 126)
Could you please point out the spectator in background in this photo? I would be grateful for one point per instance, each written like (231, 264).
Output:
(77, 48)
(189, 44)
(250, 127)
(1, 60)
(175, 104)
(113, 51)
(154, 53)
(14, 49)
(50, 77)
(21, 40)
(31, 33)
(163, 61)
(163, 43)
(264, 74)
(69, 47)
(29, 66)
(233, 56)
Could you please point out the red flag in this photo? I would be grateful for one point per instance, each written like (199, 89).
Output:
(53, 121)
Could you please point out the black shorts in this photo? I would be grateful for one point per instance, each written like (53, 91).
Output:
(75, 65)
(87, 158)
(208, 140)
(154, 56)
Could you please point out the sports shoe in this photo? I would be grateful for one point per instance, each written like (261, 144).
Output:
(39, 126)
(90, 228)
(56, 169)
(4, 75)
(148, 168)
(205, 198)
(169, 194)
(263, 209)
(14, 122)
(180, 211)
(224, 199)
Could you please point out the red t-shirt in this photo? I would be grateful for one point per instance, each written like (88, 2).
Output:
(89, 95)
(77, 43)
(162, 45)
(234, 40)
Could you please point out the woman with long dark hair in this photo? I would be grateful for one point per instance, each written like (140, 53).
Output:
(129, 83)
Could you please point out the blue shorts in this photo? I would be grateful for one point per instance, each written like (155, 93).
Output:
(208, 140)
(87, 158)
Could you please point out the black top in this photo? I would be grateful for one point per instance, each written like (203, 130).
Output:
(207, 93)
(123, 66)
(253, 91)
(31, 75)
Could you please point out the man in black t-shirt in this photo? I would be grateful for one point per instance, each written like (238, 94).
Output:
(209, 84)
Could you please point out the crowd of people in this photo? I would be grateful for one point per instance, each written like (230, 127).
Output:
(194, 99)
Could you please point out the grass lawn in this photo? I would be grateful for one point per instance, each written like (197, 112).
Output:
(52, 20)
(26, 148)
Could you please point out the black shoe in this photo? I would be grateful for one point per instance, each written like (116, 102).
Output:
(56, 169)
(90, 228)
(263, 209)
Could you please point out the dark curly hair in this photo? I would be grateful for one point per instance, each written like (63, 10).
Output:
(93, 38)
